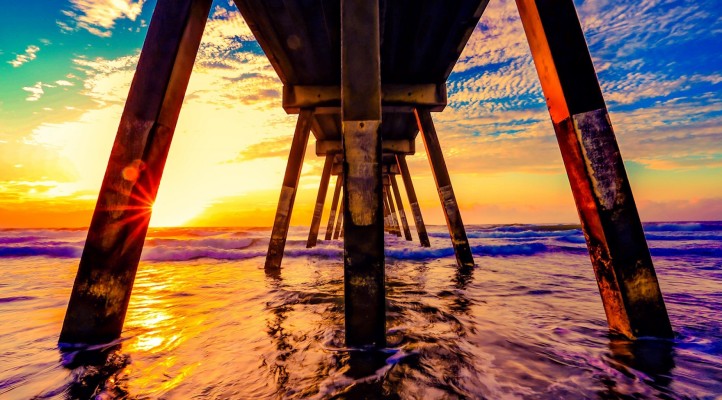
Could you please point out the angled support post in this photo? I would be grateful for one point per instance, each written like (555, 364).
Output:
(109, 263)
(288, 191)
(446, 192)
(320, 200)
(365, 294)
(387, 215)
(334, 207)
(627, 281)
(400, 204)
(339, 221)
(413, 201)
(392, 208)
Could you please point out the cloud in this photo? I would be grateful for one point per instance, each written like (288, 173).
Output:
(29, 55)
(99, 16)
(36, 91)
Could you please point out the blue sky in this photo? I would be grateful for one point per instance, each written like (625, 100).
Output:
(65, 69)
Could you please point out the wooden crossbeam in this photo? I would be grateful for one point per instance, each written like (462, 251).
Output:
(394, 146)
(430, 95)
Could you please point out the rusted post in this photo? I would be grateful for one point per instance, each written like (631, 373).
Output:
(365, 295)
(413, 201)
(288, 191)
(400, 204)
(392, 208)
(443, 185)
(627, 281)
(339, 221)
(320, 200)
(107, 269)
(334, 206)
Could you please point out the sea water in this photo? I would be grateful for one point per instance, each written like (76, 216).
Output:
(206, 321)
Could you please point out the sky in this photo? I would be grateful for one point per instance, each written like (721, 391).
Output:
(66, 67)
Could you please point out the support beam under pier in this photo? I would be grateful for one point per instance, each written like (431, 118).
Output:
(392, 208)
(446, 192)
(413, 201)
(288, 191)
(103, 285)
(334, 207)
(320, 201)
(365, 294)
(627, 281)
(400, 204)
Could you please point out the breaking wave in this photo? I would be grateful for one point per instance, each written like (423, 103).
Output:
(696, 239)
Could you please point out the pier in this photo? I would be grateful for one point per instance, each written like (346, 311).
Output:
(365, 78)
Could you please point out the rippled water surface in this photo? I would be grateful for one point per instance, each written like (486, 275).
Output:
(205, 321)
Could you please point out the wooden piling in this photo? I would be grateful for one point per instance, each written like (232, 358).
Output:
(446, 192)
(365, 295)
(413, 201)
(339, 221)
(625, 274)
(387, 214)
(320, 201)
(392, 208)
(109, 262)
(288, 191)
(400, 204)
(334, 207)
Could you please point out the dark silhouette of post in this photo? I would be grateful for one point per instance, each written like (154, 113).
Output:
(400, 204)
(413, 201)
(109, 262)
(446, 192)
(627, 281)
(334, 207)
(288, 191)
(365, 294)
(320, 200)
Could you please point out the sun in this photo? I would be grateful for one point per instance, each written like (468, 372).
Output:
(173, 211)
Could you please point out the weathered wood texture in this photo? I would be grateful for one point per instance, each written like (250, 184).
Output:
(413, 202)
(627, 281)
(109, 262)
(400, 204)
(364, 290)
(334, 207)
(446, 192)
(288, 191)
(320, 201)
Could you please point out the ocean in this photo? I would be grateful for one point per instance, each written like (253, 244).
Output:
(206, 321)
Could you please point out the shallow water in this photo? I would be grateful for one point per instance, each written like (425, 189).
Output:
(205, 321)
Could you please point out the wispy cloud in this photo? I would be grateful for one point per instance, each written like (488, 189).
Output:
(29, 55)
(36, 91)
(99, 16)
